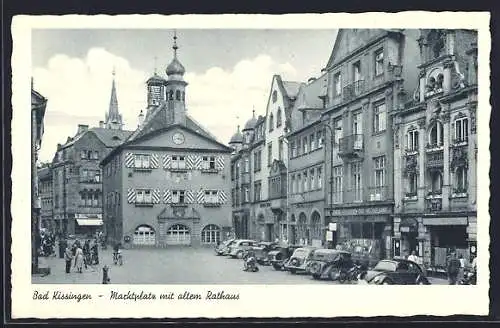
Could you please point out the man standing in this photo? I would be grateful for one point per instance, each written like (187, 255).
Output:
(453, 268)
(413, 257)
(68, 257)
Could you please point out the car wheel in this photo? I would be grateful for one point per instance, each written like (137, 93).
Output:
(239, 254)
(386, 282)
(316, 276)
(332, 275)
(277, 267)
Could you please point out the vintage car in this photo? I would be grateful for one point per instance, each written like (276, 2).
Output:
(327, 263)
(280, 255)
(223, 247)
(395, 272)
(262, 250)
(299, 261)
(237, 248)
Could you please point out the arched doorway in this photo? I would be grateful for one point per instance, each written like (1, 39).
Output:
(144, 235)
(315, 228)
(302, 231)
(178, 234)
(210, 234)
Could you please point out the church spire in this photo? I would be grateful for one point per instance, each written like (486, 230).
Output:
(113, 117)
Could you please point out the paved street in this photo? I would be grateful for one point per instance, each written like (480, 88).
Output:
(171, 266)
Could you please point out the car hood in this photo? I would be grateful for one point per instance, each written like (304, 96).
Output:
(370, 274)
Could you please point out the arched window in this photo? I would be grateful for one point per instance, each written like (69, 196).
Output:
(460, 180)
(171, 95)
(177, 95)
(315, 226)
(144, 235)
(210, 234)
(436, 135)
(278, 118)
(437, 182)
(271, 122)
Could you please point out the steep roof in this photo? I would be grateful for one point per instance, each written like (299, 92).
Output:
(309, 96)
(109, 137)
(291, 88)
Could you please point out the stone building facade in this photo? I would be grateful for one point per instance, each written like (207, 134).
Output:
(368, 71)
(46, 195)
(435, 151)
(169, 183)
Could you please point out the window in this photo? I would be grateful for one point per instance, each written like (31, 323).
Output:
(412, 185)
(178, 197)
(90, 154)
(142, 161)
(312, 185)
(436, 182)
(271, 122)
(247, 194)
(143, 196)
(379, 165)
(280, 149)
(257, 189)
(436, 135)
(304, 145)
(179, 162)
(96, 155)
(83, 154)
(320, 177)
(460, 180)
(292, 184)
(278, 118)
(338, 130)
(356, 71)
(356, 180)
(306, 182)
(85, 175)
(247, 165)
(269, 154)
(257, 160)
(312, 142)
(177, 95)
(97, 177)
(379, 118)
(95, 201)
(299, 182)
(299, 147)
(412, 140)
(337, 81)
(319, 137)
(462, 129)
(337, 184)
(211, 197)
(83, 199)
(275, 96)
(379, 62)
(210, 234)
(293, 148)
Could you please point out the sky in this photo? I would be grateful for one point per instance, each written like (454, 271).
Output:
(229, 73)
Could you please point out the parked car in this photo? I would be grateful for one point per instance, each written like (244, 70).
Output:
(327, 263)
(396, 272)
(280, 255)
(222, 248)
(262, 250)
(237, 248)
(299, 261)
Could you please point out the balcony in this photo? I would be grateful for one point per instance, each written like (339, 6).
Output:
(351, 146)
(377, 194)
(435, 160)
(353, 90)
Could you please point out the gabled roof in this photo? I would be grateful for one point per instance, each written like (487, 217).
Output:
(291, 88)
(158, 131)
(109, 137)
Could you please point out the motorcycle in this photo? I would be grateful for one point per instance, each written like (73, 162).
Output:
(352, 274)
(250, 263)
(118, 258)
(468, 279)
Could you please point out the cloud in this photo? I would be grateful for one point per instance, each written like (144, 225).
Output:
(78, 92)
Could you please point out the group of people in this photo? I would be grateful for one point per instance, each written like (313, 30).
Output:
(81, 255)
(46, 244)
(456, 267)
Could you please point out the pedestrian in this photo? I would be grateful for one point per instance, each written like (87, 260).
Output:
(413, 257)
(474, 264)
(68, 257)
(95, 254)
(86, 253)
(105, 275)
(453, 268)
(461, 270)
(79, 259)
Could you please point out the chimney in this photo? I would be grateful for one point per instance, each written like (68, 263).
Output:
(101, 124)
(59, 146)
(82, 128)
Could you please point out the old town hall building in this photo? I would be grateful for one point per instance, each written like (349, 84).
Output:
(169, 182)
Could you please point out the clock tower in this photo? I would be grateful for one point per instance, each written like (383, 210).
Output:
(175, 89)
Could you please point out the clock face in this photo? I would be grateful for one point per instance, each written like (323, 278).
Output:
(178, 138)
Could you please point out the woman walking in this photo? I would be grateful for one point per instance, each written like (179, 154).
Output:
(79, 259)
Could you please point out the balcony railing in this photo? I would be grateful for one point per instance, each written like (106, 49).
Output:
(353, 90)
(380, 193)
(351, 146)
(435, 159)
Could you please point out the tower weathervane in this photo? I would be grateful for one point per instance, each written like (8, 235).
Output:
(175, 47)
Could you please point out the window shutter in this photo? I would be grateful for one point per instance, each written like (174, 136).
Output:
(129, 160)
(198, 162)
(189, 162)
(222, 196)
(219, 162)
(154, 161)
(189, 196)
(167, 196)
(155, 196)
(167, 161)
(200, 197)
(131, 196)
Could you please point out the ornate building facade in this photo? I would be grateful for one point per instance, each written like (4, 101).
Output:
(435, 151)
(169, 183)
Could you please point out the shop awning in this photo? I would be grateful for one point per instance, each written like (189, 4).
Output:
(89, 222)
(445, 221)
